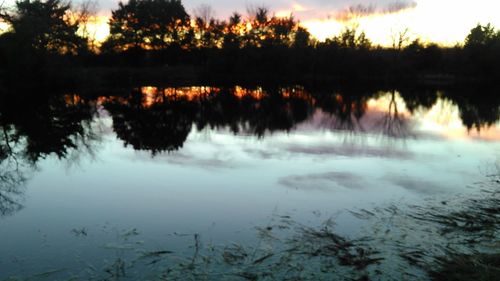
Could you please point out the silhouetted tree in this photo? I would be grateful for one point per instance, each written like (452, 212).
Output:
(482, 47)
(400, 38)
(209, 31)
(204, 14)
(161, 33)
(258, 20)
(351, 39)
(147, 24)
(41, 34)
(302, 38)
(482, 36)
(232, 36)
(86, 15)
(43, 26)
(210, 34)
(281, 31)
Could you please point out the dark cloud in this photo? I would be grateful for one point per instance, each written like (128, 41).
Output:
(364, 10)
(400, 6)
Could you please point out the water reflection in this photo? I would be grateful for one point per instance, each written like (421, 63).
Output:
(55, 125)
(155, 124)
(159, 119)
(224, 155)
(32, 131)
(12, 178)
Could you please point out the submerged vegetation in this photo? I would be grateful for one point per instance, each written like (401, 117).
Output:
(454, 239)
(162, 35)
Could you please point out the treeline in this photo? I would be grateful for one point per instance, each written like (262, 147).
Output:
(157, 33)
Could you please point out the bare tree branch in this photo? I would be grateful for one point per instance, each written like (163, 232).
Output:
(3, 13)
(400, 38)
(85, 16)
(205, 13)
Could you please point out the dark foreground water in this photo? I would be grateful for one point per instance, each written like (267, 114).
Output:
(201, 183)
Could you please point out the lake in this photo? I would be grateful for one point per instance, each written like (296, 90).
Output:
(127, 183)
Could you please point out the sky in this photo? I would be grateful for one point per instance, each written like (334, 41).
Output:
(442, 21)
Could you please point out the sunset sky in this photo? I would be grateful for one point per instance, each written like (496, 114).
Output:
(442, 21)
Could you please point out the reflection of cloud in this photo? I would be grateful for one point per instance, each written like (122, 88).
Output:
(350, 150)
(183, 159)
(188, 159)
(415, 185)
(324, 181)
(262, 154)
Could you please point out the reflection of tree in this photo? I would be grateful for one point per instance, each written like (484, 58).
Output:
(477, 118)
(346, 109)
(478, 113)
(419, 98)
(54, 125)
(275, 114)
(12, 181)
(348, 112)
(163, 126)
(162, 122)
(34, 129)
(218, 111)
(392, 123)
(12, 178)
(254, 115)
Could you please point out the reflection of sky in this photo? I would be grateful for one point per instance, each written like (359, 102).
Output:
(220, 183)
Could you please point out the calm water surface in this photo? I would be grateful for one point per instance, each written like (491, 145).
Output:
(81, 175)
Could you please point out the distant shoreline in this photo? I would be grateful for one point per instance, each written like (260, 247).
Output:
(95, 80)
(188, 75)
